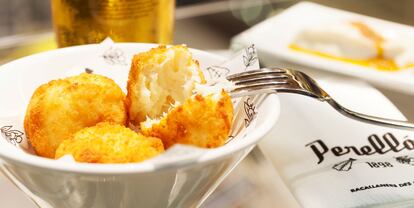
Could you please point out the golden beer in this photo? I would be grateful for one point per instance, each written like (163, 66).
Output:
(90, 21)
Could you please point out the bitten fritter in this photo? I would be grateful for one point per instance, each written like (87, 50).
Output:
(109, 143)
(203, 121)
(158, 78)
(62, 107)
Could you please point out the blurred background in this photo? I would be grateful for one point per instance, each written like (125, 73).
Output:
(201, 20)
(26, 27)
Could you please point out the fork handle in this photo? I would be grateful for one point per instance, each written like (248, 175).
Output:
(370, 119)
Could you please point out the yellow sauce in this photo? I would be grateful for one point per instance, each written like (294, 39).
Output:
(378, 62)
(372, 35)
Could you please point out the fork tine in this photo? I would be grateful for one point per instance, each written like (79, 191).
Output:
(264, 79)
(257, 73)
(260, 81)
(253, 89)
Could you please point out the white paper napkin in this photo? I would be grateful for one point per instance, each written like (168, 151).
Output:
(328, 160)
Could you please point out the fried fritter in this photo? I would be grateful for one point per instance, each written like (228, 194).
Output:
(61, 107)
(203, 121)
(159, 78)
(109, 143)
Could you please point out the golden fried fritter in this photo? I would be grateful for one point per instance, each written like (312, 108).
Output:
(203, 121)
(61, 107)
(109, 143)
(159, 78)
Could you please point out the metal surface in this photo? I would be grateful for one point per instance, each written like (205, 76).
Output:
(272, 80)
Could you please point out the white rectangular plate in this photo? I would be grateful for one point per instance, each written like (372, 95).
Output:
(273, 36)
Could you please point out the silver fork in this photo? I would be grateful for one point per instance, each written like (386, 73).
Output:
(272, 80)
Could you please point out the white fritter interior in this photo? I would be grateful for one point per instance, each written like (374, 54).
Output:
(170, 78)
(204, 90)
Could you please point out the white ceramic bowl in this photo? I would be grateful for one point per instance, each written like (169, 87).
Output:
(58, 184)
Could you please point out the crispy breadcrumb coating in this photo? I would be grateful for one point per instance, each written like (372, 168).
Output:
(203, 121)
(61, 107)
(109, 143)
(159, 78)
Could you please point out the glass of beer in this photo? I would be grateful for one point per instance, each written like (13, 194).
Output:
(79, 22)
